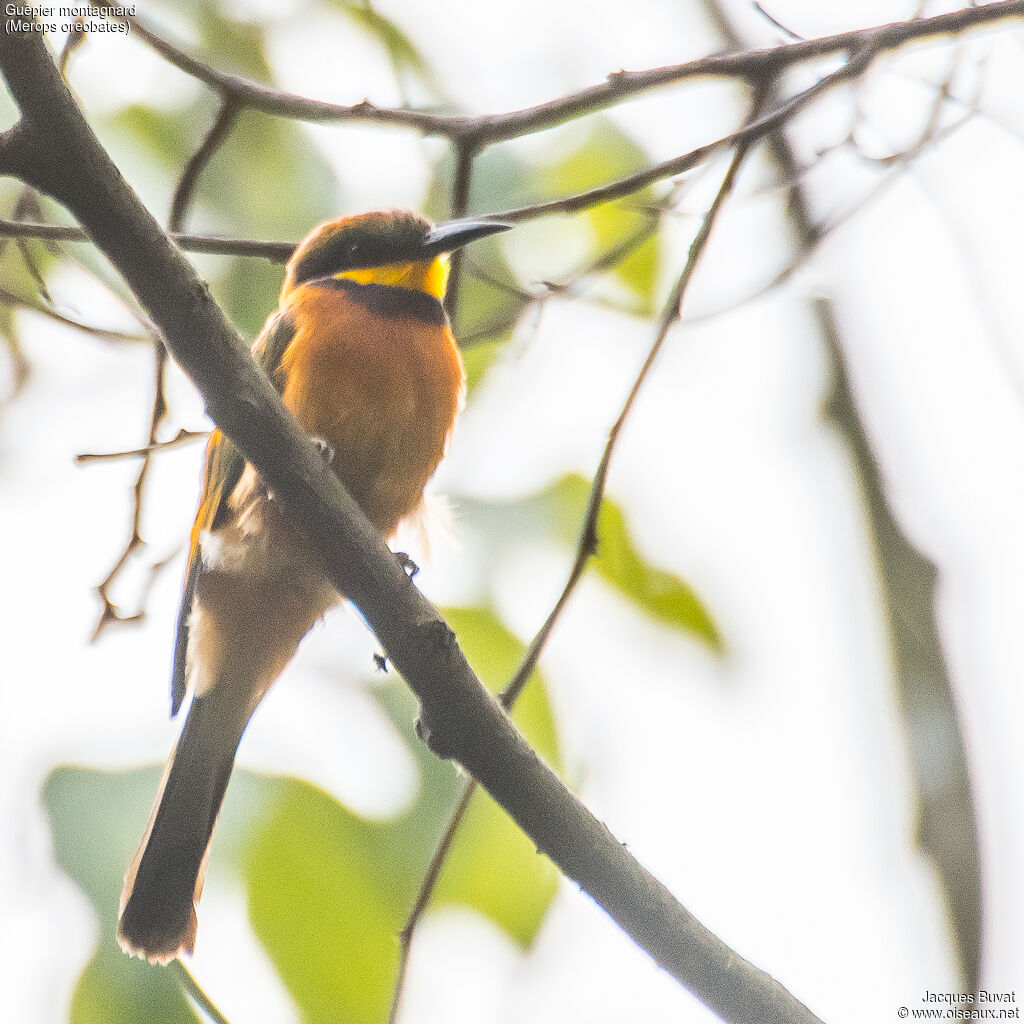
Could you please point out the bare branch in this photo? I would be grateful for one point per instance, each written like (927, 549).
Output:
(856, 65)
(751, 65)
(778, 24)
(192, 987)
(276, 252)
(110, 613)
(461, 181)
(214, 138)
(181, 437)
(255, 96)
(107, 334)
(424, 894)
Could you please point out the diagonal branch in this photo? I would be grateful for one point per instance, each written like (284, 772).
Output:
(201, 999)
(855, 66)
(212, 141)
(57, 152)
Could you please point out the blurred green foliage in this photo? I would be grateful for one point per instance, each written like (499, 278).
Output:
(623, 243)
(328, 890)
(620, 231)
(95, 820)
(659, 594)
(556, 513)
(258, 150)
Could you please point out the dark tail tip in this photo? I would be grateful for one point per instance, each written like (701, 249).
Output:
(158, 919)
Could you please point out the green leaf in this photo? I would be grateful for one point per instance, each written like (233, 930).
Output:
(660, 594)
(403, 53)
(328, 890)
(625, 238)
(493, 867)
(227, 44)
(165, 138)
(94, 818)
(558, 512)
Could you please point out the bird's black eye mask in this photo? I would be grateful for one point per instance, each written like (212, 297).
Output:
(360, 246)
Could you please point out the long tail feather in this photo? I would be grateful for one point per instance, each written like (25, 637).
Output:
(162, 887)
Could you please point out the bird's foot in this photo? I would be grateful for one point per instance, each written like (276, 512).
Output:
(407, 564)
(380, 662)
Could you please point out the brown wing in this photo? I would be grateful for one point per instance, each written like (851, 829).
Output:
(224, 467)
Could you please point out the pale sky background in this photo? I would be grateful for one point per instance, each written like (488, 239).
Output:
(771, 791)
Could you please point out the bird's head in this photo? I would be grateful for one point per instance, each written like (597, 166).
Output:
(392, 247)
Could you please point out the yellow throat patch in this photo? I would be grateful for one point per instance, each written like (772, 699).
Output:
(430, 276)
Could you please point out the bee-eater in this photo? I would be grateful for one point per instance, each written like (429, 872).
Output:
(362, 353)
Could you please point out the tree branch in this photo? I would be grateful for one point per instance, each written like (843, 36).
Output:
(481, 131)
(212, 141)
(60, 155)
(110, 613)
(281, 251)
(856, 65)
(210, 245)
(461, 179)
(183, 436)
(193, 988)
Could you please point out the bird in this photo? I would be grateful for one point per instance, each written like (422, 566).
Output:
(361, 350)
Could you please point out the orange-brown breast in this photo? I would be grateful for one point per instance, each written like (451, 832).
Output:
(382, 389)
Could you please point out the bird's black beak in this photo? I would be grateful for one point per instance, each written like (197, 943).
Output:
(457, 233)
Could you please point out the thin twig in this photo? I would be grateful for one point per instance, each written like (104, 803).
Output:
(183, 436)
(108, 334)
(276, 252)
(826, 229)
(183, 197)
(425, 892)
(586, 547)
(110, 612)
(201, 999)
(795, 36)
(461, 181)
(212, 141)
(255, 96)
(615, 254)
(856, 65)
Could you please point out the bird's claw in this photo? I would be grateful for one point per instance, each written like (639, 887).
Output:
(380, 662)
(325, 448)
(407, 564)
